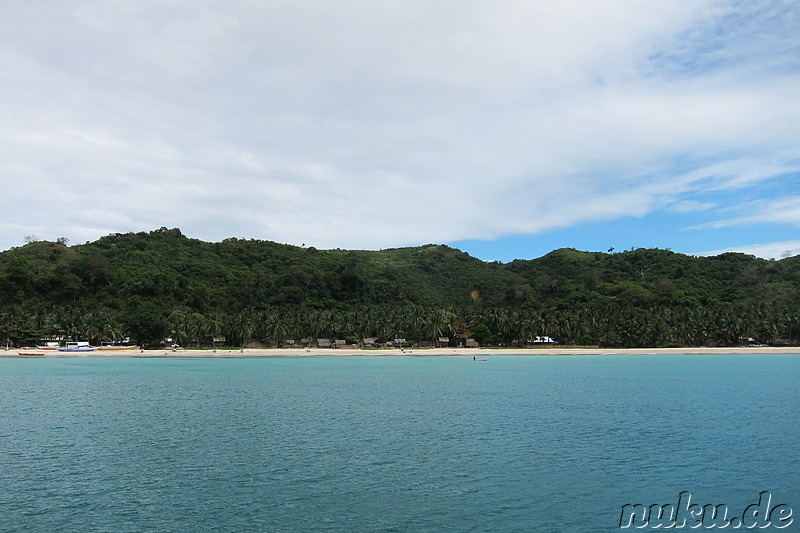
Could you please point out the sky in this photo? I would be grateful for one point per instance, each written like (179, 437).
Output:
(507, 129)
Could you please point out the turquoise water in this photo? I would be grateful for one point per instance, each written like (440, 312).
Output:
(394, 444)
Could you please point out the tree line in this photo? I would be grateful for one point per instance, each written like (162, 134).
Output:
(608, 326)
(150, 286)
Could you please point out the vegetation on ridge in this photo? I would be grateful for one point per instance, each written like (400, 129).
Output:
(148, 286)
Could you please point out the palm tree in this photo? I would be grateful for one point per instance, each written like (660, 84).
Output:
(196, 328)
(178, 326)
(213, 329)
(6, 325)
(243, 325)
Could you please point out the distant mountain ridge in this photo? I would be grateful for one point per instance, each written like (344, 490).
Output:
(163, 272)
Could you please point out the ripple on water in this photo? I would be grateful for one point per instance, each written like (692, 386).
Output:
(387, 444)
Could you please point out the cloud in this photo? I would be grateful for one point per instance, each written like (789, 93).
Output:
(773, 250)
(368, 125)
(785, 211)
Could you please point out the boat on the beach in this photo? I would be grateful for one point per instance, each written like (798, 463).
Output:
(117, 348)
(30, 354)
(47, 346)
(77, 347)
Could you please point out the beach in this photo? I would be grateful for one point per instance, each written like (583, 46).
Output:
(398, 352)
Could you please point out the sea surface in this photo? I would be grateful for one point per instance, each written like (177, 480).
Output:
(390, 444)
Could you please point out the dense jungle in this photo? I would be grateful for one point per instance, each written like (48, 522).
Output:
(149, 286)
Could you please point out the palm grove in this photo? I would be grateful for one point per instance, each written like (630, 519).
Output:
(150, 286)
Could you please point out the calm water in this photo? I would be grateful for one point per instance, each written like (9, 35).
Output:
(404, 444)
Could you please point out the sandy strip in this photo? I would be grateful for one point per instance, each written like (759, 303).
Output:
(477, 352)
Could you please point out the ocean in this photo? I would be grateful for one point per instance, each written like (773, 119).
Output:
(391, 444)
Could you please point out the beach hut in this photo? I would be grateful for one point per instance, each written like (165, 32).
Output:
(254, 343)
(323, 343)
(443, 342)
(472, 343)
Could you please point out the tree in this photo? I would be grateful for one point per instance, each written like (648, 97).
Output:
(6, 326)
(482, 334)
(145, 322)
(242, 326)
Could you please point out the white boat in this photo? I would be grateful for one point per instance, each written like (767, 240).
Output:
(47, 346)
(77, 347)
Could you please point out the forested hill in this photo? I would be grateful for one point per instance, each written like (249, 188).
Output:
(141, 283)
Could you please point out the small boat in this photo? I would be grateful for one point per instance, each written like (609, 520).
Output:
(77, 347)
(116, 348)
(48, 346)
(31, 354)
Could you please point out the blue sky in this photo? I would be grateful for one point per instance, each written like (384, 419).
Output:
(507, 129)
(707, 231)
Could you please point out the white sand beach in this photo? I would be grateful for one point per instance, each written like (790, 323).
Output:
(410, 352)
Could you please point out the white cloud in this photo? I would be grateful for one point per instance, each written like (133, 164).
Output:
(785, 211)
(773, 250)
(357, 124)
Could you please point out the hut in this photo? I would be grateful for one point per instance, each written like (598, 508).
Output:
(324, 343)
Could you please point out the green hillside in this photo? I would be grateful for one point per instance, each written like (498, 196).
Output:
(148, 286)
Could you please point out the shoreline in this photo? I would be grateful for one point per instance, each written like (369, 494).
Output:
(397, 352)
